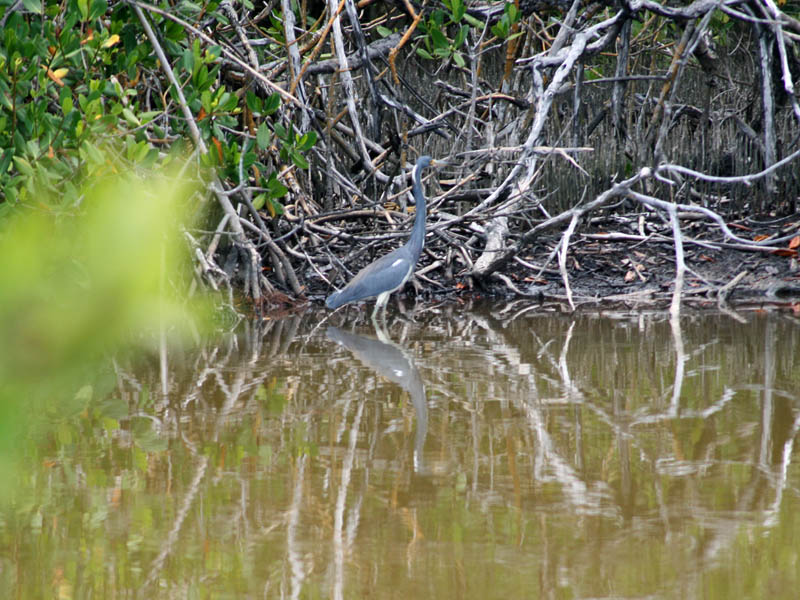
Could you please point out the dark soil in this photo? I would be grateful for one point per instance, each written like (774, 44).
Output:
(609, 264)
(635, 272)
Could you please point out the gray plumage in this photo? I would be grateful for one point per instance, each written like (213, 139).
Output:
(390, 272)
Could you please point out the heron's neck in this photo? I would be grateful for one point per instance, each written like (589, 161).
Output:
(417, 239)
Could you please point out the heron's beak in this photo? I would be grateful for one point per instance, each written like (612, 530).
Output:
(437, 162)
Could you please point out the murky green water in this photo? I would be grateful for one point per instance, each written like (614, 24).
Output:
(501, 454)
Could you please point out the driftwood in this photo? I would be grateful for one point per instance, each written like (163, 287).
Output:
(639, 115)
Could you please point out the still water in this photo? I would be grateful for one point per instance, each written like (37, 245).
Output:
(509, 452)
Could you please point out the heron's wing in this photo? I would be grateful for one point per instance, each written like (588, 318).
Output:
(385, 274)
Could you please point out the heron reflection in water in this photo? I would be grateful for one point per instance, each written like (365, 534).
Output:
(392, 361)
(388, 273)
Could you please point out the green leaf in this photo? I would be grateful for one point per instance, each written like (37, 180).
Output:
(307, 141)
(275, 208)
(249, 160)
(187, 60)
(424, 53)
(458, 58)
(228, 102)
(461, 36)
(213, 53)
(439, 39)
(384, 31)
(130, 117)
(590, 74)
(34, 6)
(23, 166)
(66, 101)
(142, 151)
(5, 160)
(298, 159)
(149, 115)
(259, 201)
(197, 58)
(263, 136)
(474, 22)
(513, 13)
(98, 9)
(201, 78)
(83, 6)
(500, 29)
(253, 102)
(275, 187)
(91, 153)
(458, 9)
(210, 158)
(205, 100)
(272, 103)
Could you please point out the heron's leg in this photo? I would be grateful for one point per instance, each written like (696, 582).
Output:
(383, 298)
(379, 323)
(383, 312)
(377, 308)
(380, 331)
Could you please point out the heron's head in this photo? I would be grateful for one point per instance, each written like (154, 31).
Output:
(422, 163)
(416, 174)
(426, 161)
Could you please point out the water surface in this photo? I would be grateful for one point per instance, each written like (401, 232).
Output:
(503, 453)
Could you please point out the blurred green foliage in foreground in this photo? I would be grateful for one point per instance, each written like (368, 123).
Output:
(77, 290)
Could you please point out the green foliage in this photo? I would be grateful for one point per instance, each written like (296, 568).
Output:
(59, 100)
(83, 98)
(435, 28)
(721, 25)
(457, 23)
(75, 290)
(269, 198)
(511, 16)
(293, 144)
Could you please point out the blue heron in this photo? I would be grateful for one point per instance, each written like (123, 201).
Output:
(390, 272)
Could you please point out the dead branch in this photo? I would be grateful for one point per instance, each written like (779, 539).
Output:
(653, 127)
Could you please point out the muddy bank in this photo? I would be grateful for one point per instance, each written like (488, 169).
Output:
(605, 270)
(618, 261)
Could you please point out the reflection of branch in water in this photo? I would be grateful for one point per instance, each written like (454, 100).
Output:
(771, 519)
(570, 390)
(596, 502)
(338, 514)
(208, 369)
(552, 409)
(183, 511)
(705, 413)
(767, 407)
(724, 532)
(293, 556)
(232, 396)
(636, 428)
(680, 364)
